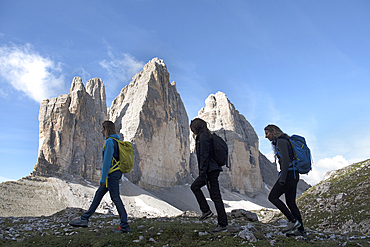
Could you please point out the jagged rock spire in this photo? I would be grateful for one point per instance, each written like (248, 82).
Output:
(244, 174)
(149, 112)
(70, 141)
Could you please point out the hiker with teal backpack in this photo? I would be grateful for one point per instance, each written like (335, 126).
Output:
(294, 158)
(109, 180)
(209, 171)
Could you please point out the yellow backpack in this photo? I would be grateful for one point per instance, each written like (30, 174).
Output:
(126, 157)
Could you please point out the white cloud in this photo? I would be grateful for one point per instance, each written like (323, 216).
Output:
(334, 163)
(121, 69)
(2, 179)
(27, 71)
(320, 168)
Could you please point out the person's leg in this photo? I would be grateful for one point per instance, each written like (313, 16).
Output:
(196, 186)
(214, 191)
(274, 196)
(113, 187)
(290, 198)
(95, 203)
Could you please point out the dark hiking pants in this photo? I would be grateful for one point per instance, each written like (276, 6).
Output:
(290, 191)
(214, 191)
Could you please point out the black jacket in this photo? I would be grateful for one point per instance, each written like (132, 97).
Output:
(204, 151)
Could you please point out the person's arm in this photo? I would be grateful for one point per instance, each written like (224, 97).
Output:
(107, 160)
(204, 142)
(284, 160)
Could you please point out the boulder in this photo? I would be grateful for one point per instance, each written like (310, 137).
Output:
(241, 213)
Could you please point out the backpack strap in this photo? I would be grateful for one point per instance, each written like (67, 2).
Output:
(293, 167)
(291, 154)
(114, 166)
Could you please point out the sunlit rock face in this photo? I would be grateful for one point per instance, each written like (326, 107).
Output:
(70, 139)
(244, 174)
(149, 112)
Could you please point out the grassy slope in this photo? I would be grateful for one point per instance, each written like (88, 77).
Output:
(341, 199)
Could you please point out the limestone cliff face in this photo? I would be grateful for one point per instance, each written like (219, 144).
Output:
(70, 139)
(244, 174)
(149, 112)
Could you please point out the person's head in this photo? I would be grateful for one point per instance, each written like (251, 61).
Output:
(272, 132)
(198, 126)
(108, 128)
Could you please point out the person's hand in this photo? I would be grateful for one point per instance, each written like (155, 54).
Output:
(102, 184)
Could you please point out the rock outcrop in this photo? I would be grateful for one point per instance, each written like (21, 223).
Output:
(70, 139)
(339, 203)
(244, 174)
(149, 112)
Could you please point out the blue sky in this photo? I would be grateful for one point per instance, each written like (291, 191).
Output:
(302, 65)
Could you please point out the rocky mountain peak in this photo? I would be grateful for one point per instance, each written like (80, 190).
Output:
(149, 112)
(244, 174)
(70, 140)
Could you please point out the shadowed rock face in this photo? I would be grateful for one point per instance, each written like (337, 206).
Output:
(244, 174)
(70, 141)
(269, 171)
(149, 112)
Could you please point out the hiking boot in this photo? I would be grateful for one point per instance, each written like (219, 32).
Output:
(218, 229)
(297, 233)
(291, 226)
(79, 223)
(206, 215)
(122, 230)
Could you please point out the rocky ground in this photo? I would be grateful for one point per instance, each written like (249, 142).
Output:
(36, 211)
(185, 230)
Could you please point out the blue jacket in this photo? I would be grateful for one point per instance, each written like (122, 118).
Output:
(108, 152)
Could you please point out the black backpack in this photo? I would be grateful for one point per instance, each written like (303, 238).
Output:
(220, 150)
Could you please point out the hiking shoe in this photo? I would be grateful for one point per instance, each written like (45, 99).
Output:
(291, 226)
(218, 228)
(206, 215)
(79, 223)
(297, 233)
(122, 230)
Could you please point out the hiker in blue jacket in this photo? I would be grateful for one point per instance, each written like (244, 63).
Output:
(287, 181)
(109, 181)
(209, 172)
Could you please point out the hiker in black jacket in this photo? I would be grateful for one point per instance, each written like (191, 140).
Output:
(287, 181)
(209, 171)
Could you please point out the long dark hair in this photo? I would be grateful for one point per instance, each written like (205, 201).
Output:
(276, 132)
(198, 126)
(109, 127)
